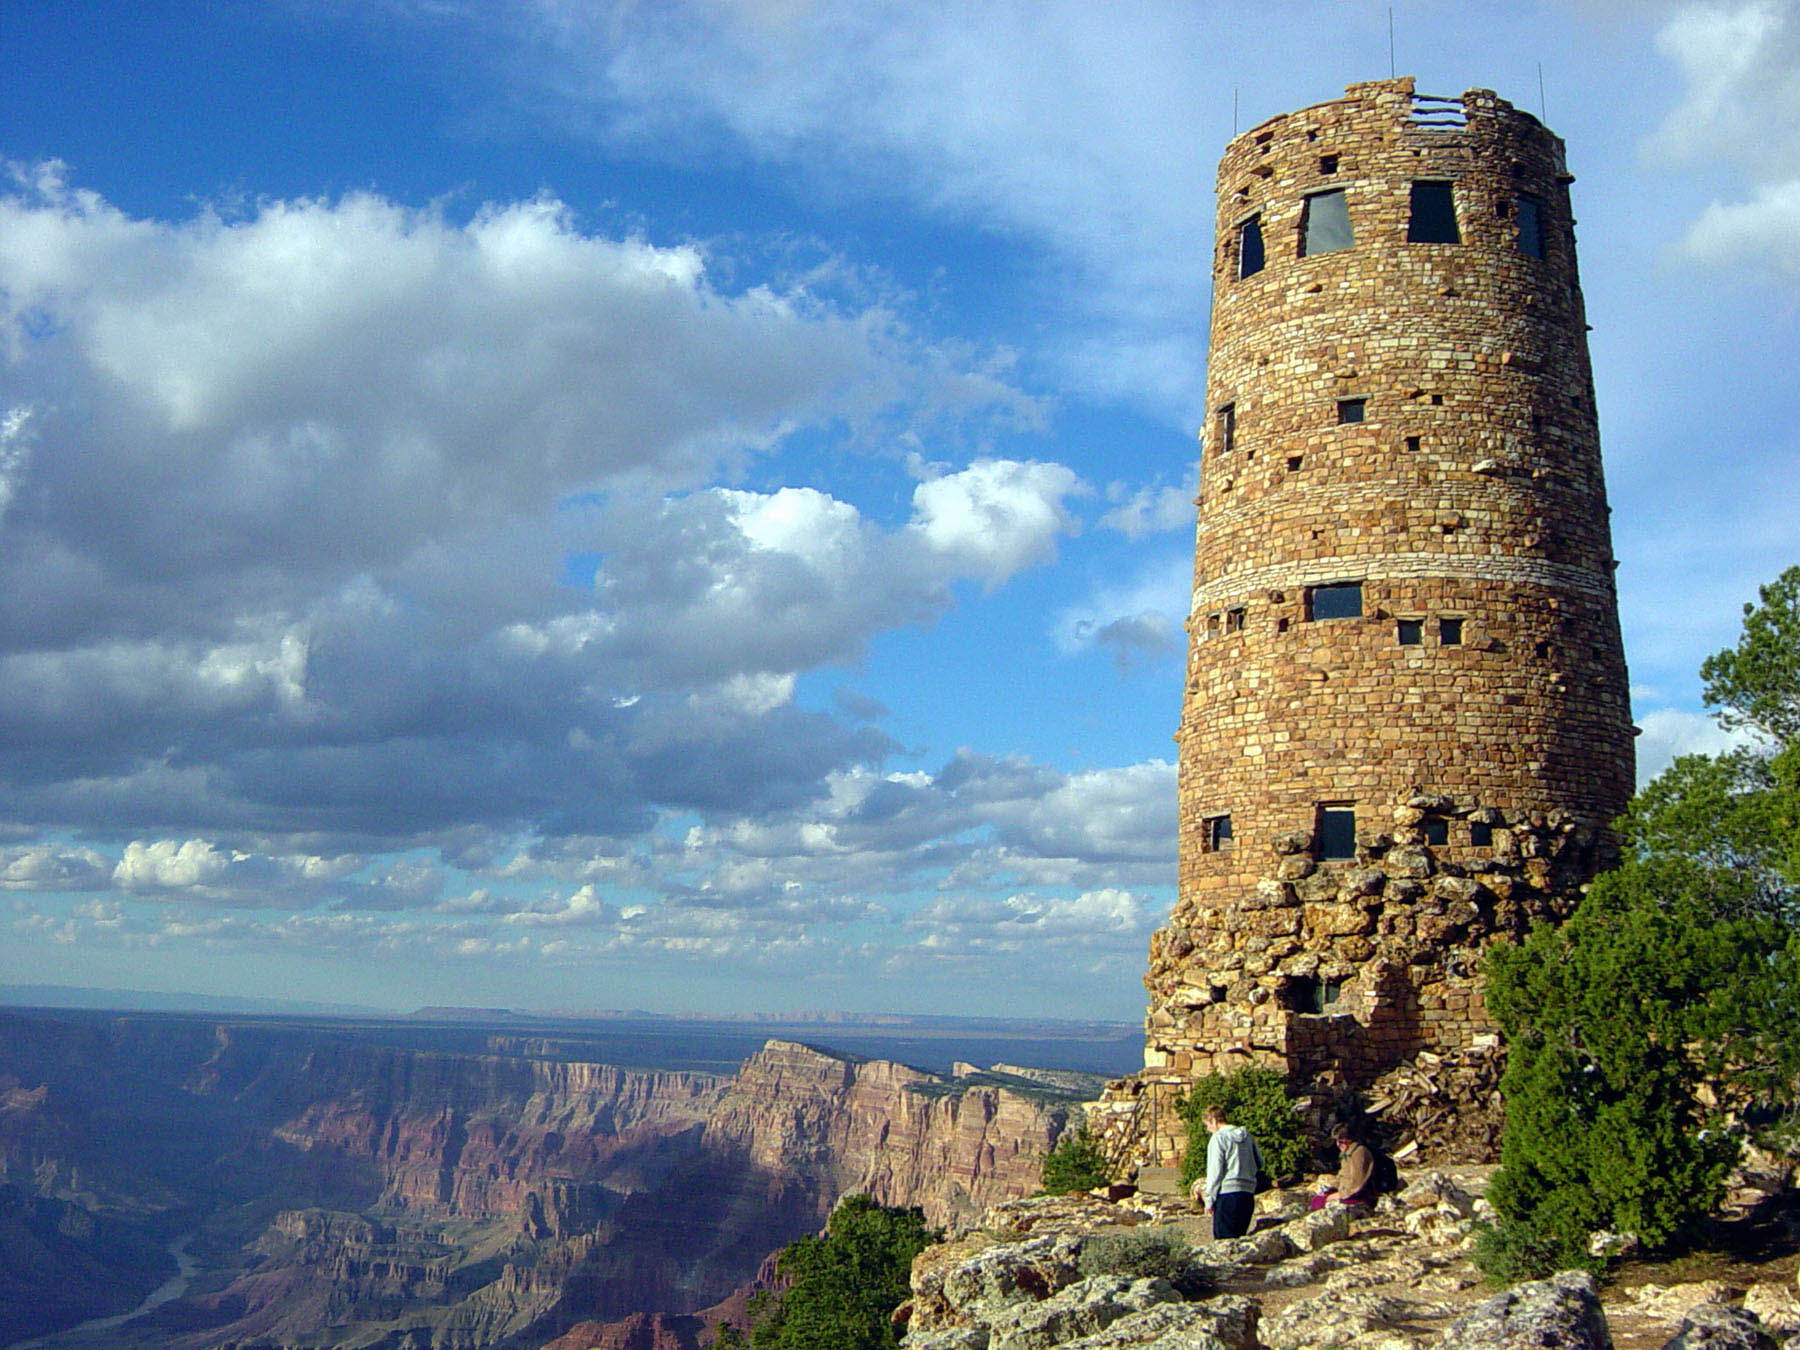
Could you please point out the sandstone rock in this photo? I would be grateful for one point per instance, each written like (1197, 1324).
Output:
(952, 1338)
(1227, 1323)
(1080, 1309)
(1295, 867)
(1776, 1305)
(1673, 1302)
(1713, 1326)
(973, 1278)
(1607, 1243)
(1335, 920)
(1362, 881)
(1561, 1313)
(1312, 1268)
(1253, 1249)
(1333, 1320)
(1458, 890)
(1319, 1229)
(1436, 1189)
(1296, 841)
(1441, 1225)
(1408, 862)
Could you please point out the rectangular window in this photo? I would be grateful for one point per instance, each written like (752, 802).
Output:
(1325, 224)
(1450, 632)
(1337, 832)
(1411, 631)
(1228, 428)
(1339, 601)
(1433, 219)
(1234, 620)
(1437, 830)
(1216, 831)
(1250, 247)
(1481, 836)
(1531, 227)
(1351, 410)
(1307, 994)
(1412, 444)
(1328, 163)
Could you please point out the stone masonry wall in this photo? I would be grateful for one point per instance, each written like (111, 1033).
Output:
(1415, 418)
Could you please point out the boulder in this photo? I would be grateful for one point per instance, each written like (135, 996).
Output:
(1673, 1302)
(1311, 1268)
(1333, 1319)
(951, 1338)
(1227, 1323)
(974, 1285)
(1713, 1326)
(1320, 1228)
(1078, 1310)
(1254, 1249)
(1561, 1313)
(1776, 1306)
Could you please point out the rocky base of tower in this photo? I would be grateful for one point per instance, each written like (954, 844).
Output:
(1337, 972)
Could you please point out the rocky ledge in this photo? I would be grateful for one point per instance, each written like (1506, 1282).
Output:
(1036, 1276)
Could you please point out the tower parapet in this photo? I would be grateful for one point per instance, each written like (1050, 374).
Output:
(1406, 722)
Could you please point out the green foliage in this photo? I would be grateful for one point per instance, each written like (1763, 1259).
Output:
(844, 1285)
(1257, 1099)
(1757, 683)
(1075, 1164)
(1143, 1256)
(728, 1337)
(1679, 969)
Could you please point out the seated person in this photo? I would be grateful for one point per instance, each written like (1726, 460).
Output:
(1355, 1181)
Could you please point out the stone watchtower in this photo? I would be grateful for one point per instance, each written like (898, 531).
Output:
(1406, 721)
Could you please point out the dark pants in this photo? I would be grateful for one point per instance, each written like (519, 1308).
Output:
(1231, 1213)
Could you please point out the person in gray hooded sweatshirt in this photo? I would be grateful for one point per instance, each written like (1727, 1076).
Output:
(1232, 1162)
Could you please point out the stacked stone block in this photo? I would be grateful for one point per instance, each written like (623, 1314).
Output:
(1406, 722)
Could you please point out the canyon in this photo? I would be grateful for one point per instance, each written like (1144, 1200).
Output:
(371, 1186)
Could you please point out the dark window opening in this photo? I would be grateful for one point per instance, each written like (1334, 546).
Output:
(1281, 625)
(1351, 410)
(1503, 208)
(1537, 424)
(1341, 600)
(1328, 163)
(1250, 247)
(1437, 830)
(1437, 400)
(1412, 632)
(1480, 835)
(1450, 632)
(1212, 625)
(1337, 832)
(1433, 219)
(1228, 428)
(1412, 444)
(1325, 224)
(1294, 463)
(1305, 994)
(1216, 831)
(1541, 650)
(1531, 227)
(1234, 620)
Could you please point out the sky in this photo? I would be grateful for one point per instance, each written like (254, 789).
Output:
(687, 506)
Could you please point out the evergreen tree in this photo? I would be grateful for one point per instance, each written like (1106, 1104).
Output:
(1678, 969)
(1075, 1164)
(1255, 1098)
(844, 1285)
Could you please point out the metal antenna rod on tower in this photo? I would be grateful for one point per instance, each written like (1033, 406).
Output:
(1543, 103)
(1390, 42)
(1234, 94)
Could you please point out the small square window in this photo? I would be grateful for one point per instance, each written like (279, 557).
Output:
(1325, 224)
(1340, 601)
(1437, 400)
(1481, 835)
(1433, 219)
(1212, 625)
(1336, 832)
(1250, 247)
(1411, 632)
(1531, 228)
(1412, 444)
(1216, 832)
(1450, 632)
(1437, 830)
(1351, 410)
(1234, 620)
(1328, 163)
(1294, 463)
(1227, 428)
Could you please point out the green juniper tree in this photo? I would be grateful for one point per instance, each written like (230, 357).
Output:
(843, 1285)
(1075, 1164)
(1680, 968)
(1257, 1099)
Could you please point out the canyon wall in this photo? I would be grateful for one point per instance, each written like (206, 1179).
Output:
(334, 1180)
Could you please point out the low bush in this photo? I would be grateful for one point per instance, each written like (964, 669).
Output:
(1142, 1256)
(1075, 1164)
(1257, 1099)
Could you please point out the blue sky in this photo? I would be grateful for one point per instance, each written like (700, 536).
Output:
(686, 506)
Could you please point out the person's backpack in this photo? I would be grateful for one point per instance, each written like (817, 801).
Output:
(1387, 1174)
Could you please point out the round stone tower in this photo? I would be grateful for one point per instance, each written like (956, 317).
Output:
(1406, 721)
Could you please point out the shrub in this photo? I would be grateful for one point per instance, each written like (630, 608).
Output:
(844, 1285)
(1257, 1099)
(1075, 1164)
(1142, 1256)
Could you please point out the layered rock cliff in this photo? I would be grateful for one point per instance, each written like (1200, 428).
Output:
(341, 1185)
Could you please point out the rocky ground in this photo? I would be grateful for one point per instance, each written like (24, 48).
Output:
(1400, 1278)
